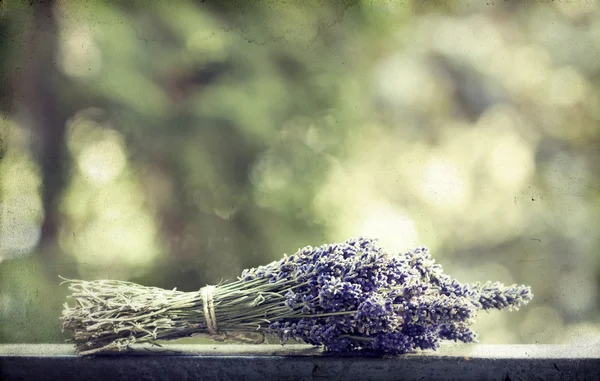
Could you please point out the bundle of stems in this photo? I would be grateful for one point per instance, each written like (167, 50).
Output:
(113, 314)
(348, 296)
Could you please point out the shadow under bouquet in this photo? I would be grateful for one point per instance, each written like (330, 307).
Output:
(345, 297)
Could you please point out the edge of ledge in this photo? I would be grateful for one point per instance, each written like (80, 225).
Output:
(472, 351)
(224, 362)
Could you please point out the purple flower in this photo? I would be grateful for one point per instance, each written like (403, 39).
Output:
(353, 295)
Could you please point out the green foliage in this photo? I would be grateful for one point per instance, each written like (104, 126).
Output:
(29, 302)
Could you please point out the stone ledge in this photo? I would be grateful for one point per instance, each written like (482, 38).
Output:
(300, 362)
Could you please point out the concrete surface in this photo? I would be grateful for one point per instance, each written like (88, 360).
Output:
(300, 362)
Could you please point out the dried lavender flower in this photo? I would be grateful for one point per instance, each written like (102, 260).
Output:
(344, 297)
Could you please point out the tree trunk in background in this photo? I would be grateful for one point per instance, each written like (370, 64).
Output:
(42, 111)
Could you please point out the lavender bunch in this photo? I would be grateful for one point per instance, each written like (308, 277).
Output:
(344, 297)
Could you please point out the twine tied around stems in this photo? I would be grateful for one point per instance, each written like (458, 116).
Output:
(209, 309)
(210, 316)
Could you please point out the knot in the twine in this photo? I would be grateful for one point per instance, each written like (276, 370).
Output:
(208, 306)
(209, 309)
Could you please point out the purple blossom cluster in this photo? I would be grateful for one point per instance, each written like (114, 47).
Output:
(354, 295)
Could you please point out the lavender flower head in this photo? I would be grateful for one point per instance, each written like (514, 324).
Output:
(344, 297)
(353, 295)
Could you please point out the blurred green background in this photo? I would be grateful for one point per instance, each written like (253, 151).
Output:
(174, 144)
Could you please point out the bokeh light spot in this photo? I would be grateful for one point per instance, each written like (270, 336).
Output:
(393, 228)
(566, 87)
(443, 185)
(79, 55)
(103, 161)
(511, 163)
